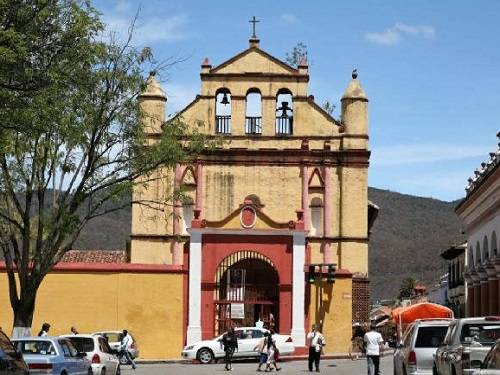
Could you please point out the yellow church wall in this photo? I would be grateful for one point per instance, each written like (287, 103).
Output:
(147, 304)
(155, 214)
(354, 201)
(253, 61)
(151, 251)
(331, 308)
(354, 256)
(231, 184)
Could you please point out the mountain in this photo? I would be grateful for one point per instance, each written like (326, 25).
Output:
(406, 240)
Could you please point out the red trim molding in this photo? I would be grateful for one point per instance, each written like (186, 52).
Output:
(115, 267)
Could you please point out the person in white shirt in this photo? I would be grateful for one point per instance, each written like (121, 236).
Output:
(316, 343)
(45, 330)
(125, 344)
(374, 344)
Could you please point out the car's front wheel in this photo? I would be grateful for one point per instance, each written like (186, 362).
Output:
(205, 355)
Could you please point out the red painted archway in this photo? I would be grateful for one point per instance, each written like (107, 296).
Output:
(216, 247)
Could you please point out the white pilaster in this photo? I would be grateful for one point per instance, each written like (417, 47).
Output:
(298, 289)
(194, 318)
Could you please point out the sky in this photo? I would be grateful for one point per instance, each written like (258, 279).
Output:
(431, 70)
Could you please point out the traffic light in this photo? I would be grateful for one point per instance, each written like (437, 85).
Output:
(331, 274)
(312, 274)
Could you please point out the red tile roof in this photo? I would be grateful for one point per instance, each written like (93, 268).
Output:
(95, 256)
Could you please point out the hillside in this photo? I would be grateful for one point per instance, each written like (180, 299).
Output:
(406, 239)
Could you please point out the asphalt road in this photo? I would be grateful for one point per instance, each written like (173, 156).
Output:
(336, 367)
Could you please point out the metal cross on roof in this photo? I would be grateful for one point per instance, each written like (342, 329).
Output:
(254, 21)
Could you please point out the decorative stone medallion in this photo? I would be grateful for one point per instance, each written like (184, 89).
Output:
(248, 217)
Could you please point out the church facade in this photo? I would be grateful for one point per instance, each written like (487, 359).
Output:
(274, 224)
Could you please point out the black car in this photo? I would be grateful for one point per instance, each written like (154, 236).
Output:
(11, 362)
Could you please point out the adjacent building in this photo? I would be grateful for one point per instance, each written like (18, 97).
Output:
(480, 211)
(455, 259)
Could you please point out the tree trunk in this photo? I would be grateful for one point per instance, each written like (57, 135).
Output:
(23, 316)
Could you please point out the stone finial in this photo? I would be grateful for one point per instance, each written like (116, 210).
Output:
(354, 89)
(153, 88)
(206, 62)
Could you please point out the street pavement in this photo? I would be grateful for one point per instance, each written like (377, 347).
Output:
(336, 367)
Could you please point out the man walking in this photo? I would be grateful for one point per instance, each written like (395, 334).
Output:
(45, 330)
(125, 344)
(229, 343)
(316, 343)
(374, 344)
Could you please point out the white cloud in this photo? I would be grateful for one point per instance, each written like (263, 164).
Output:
(289, 18)
(179, 96)
(398, 32)
(151, 29)
(424, 153)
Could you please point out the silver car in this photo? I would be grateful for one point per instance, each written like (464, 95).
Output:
(414, 355)
(465, 345)
(491, 363)
(52, 355)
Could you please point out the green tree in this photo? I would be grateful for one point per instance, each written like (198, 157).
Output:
(295, 56)
(71, 136)
(407, 288)
(329, 107)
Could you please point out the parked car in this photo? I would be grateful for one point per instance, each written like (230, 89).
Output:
(465, 345)
(103, 358)
(207, 350)
(415, 354)
(52, 355)
(114, 339)
(11, 361)
(491, 363)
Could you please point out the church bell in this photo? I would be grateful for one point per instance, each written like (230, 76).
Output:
(224, 100)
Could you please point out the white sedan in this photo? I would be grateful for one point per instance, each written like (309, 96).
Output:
(248, 338)
(104, 361)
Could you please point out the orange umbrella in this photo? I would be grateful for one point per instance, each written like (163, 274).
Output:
(424, 310)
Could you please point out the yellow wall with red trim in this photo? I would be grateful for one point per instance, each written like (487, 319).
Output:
(147, 304)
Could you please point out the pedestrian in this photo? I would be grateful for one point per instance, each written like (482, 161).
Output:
(272, 352)
(357, 341)
(374, 344)
(316, 344)
(229, 343)
(45, 330)
(259, 323)
(125, 344)
(74, 330)
(261, 348)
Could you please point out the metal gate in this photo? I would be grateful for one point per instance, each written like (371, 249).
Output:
(246, 288)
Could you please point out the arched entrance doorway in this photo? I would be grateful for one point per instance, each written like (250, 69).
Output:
(246, 289)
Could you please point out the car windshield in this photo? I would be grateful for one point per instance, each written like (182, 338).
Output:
(482, 333)
(430, 337)
(112, 336)
(36, 347)
(83, 344)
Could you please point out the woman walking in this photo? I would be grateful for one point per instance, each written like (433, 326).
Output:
(272, 352)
